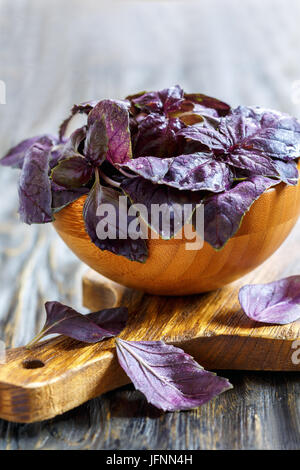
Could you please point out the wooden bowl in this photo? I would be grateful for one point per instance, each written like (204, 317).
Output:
(173, 270)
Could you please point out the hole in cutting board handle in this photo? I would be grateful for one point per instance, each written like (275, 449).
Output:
(32, 364)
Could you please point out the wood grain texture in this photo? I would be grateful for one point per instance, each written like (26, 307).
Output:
(171, 268)
(60, 374)
(51, 58)
(211, 327)
(101, 291)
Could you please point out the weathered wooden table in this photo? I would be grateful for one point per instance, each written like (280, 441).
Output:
(57, 52)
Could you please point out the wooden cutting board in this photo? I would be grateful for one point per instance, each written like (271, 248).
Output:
(61, 373)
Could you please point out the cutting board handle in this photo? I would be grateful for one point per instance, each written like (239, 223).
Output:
(59, 374)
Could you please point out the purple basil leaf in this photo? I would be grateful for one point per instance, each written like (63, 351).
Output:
(173, 102)
(150, 168)
(277, 302)
(208, 102)
(287, 171)
(89, 328)
(75, 139)
(71, 146)
(276, 143)
(113, 172)
(116, 118)
(96, 143)
(61, 196)
(237, 129)
(15, 156)
(171, 98)
(162, 114)
(173, 212)
(208, 136)
(117, 242)
(254, 163)
(56, 154)
(34, 186)
(190, 118)
(192, 113)
(157, 135)
(223, 213)
(69, 168)
(169, 378)
(249, 139)
(194, 172)
(83, 108)
(112, 319)
(279, 135)
(163, 101)
(69, 149)
(72, 172)
(198, 172)
(149, 102)
(224, 135)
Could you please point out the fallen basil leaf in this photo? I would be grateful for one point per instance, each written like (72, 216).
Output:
(276, 303)
(35, 187)
(224, 212)
(117, 241)
(89, 328)
(169, 378)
